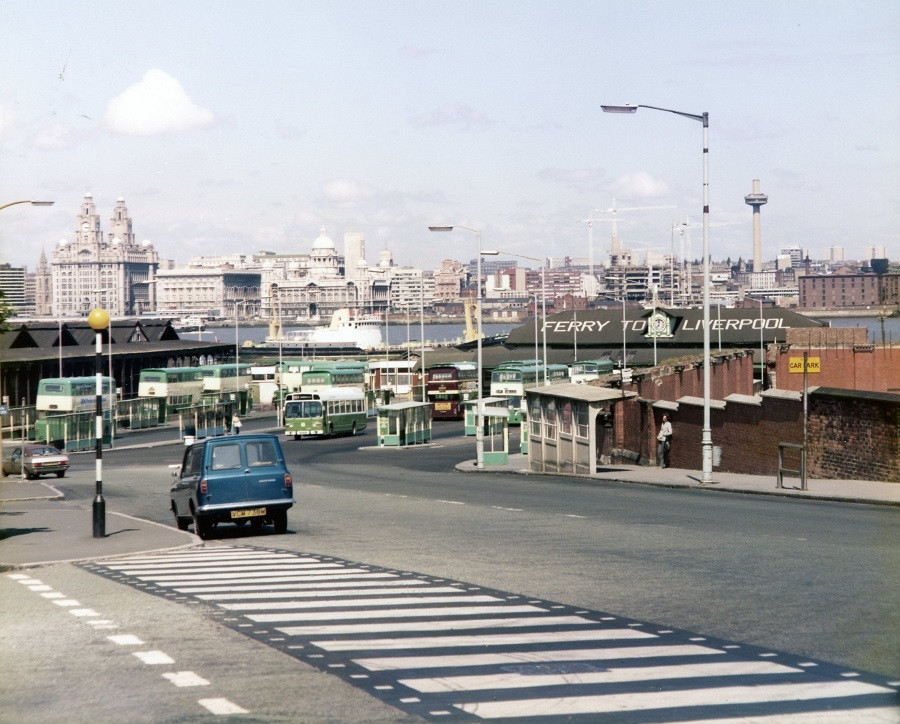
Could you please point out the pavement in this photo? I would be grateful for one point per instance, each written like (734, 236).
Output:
(38, 526)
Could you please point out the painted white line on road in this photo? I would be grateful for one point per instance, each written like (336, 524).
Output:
(357, 628)
(392, 613)
(218, 560)
(511, 510)
(126, 640)
(67, 602)
(618, 703)
(427, 642)
(40, 587)
(83, 612)
(276, 584)
(185, 678)
(286, 588)
(326, 593)
(268, 568)
(268, 575)
(528, 679)
(54, 594)
(355, 603)
(525, 657)
(28, 581)
(221, 707)
(102, 623)
(572, 515)
(154, 658)
(451, 502)
(17, 576)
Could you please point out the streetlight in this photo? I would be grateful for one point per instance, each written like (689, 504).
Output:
(4, 206)
(98, 319)
(542, 261)
(279, 408)
(479, 410)
(706, 441)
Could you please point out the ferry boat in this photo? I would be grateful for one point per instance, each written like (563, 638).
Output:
(349, 331)
(189, 324)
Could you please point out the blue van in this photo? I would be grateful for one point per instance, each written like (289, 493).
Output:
(232, 480)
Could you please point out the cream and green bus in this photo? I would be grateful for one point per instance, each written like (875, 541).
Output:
(335, 411)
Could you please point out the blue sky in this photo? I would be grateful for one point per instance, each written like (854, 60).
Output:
(240, 126)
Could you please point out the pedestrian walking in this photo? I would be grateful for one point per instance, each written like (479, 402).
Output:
(663, 441)
(236, 424)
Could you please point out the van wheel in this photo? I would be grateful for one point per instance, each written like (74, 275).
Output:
(181, 522)
(201, 526)
(279, 520)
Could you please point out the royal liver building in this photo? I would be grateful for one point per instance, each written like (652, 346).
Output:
(111, 272)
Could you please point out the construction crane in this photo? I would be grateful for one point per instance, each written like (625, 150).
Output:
(617, 254)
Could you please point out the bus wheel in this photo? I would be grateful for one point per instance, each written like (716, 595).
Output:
(331, 430)
(353, 429)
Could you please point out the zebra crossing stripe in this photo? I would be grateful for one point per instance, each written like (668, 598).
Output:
(396, 613)
(358, 602)
(454, 661)
(451, 625)
(379, 579)
(517, 680)
(315, 590)
(429, 642)
(438, 648)
(620, 703)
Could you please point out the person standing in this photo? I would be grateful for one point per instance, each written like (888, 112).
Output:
(236, 424)
(663, 441)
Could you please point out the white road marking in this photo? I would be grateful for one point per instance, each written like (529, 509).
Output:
(325, 593)
(618, 703)
(428, 642)
(614, 676)
(297, 575)
(67, 602)
(54, 594)
(83, 612)
(572, 515)
(391, 613)
(126, 640)
(17, 576)
(40, 587)
(356, 628)
(264, 584)
(526, 657)
(185, 678)
(451, 502)
(285, 589)
(221, 707)
(154, 658)
(358, 602)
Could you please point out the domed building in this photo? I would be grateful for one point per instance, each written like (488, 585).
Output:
(324, 262)
(116, 264)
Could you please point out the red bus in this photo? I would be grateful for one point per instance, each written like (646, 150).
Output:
(448, 386)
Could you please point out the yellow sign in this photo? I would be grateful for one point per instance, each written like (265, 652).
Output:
(813, 365)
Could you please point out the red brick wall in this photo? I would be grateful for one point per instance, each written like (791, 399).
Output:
(874, 368)
(848, 436)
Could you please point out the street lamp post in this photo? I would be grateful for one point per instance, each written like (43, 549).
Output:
(479, 410)
(5, 206)
(98, 319)
(542, 261)
(706, 440)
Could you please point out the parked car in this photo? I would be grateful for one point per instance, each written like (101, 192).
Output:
(235, 479)
(39, 459)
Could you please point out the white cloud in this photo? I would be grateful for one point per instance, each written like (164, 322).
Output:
(157, 104)
(639, 185)
(460, 115)
(342, 191)
(53, 137)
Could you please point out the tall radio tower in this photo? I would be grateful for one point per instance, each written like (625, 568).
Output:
(756, 200)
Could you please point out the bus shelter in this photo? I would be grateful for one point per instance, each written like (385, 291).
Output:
(208, 418)
(562, 425)
(404, 423)
(471, 411)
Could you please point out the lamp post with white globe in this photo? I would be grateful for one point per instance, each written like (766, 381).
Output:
(98, 319)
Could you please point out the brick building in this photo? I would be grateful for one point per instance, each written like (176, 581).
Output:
(846, 288)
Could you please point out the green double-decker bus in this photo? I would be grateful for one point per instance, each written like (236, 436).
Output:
(335, 411)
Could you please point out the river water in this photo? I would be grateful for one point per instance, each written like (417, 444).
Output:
(399, 334)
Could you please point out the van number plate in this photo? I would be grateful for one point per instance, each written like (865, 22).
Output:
(252, 513)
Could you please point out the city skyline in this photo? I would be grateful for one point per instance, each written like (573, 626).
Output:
(385, 118)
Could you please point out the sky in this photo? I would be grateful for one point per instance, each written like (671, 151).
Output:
(235, 127)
